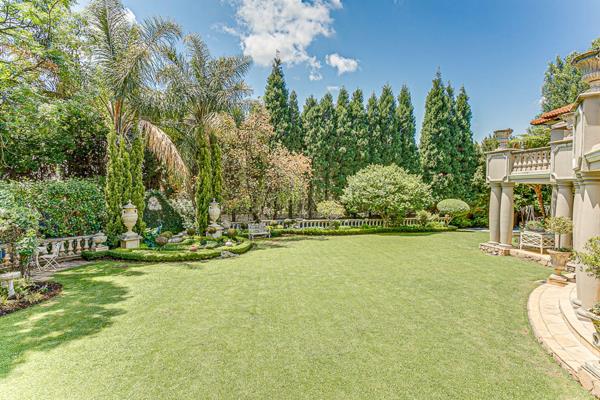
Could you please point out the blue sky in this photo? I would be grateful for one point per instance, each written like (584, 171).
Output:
(497, 49)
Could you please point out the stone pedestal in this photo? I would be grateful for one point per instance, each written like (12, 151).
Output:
(130, 240)
(507, 214)
(218, 231)
(494, 213)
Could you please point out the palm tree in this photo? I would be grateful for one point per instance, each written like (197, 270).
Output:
(127, 55)
(198, 89)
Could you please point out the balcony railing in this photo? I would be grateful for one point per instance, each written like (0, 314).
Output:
(529, 161)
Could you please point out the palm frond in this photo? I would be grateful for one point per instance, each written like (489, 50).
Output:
(163, 148)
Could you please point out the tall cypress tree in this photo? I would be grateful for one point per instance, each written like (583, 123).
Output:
(467, 148)
(113, 190)
(126, 176)
(407, 127)
(345, 144)
(216, 168)
(453, 138)
(137, 180)
(203, 182)
(327, 146)
(358, 134)
(311, 125)
(388, 127)
(373, 131)
(295, 137)
(435, 147)
(276, 102)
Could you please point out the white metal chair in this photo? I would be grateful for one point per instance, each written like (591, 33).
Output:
(50, 260)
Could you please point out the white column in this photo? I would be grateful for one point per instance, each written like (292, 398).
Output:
(507, 212)
(553, 200)
(588, 226)
(494, 213)
(564, 207)
(577, 201)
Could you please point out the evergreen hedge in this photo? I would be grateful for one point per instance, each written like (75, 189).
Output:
(167, 217)
(71, 207)
(359, 231)
(148, 255)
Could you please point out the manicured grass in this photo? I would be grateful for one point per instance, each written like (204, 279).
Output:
(413, 316)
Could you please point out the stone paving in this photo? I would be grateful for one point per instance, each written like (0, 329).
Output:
(564, 334)
(44, 275)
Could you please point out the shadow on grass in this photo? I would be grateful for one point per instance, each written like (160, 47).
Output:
(85, 307)
(283, 242)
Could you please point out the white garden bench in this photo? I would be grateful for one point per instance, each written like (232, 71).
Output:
(260, 229)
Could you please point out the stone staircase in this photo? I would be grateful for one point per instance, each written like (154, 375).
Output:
(566, 335)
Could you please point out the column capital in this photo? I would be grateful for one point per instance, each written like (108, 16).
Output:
(507, 184)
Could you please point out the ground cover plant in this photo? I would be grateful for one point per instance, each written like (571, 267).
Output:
(413, 315)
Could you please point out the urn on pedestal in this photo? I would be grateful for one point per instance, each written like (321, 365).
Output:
(129, 215)
(214, 212)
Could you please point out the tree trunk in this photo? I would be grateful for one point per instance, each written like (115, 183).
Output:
(540, 198)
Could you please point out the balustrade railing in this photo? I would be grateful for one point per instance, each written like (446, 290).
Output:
(351, 222)
(533, 160)
(71, 248)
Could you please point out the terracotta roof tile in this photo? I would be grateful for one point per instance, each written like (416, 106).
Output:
(553, 114)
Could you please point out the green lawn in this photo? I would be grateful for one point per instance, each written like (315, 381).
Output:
(423, 316)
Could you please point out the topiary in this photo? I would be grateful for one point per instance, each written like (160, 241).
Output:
(453, 207)
(159, 212)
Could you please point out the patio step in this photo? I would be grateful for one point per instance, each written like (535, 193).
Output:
(567, 338)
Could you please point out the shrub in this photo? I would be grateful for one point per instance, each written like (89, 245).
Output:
(211, 229)
(386, 191)
(231, 233)
(331, 209)
(453, 207)
(535, 226)
(18, 226)
(161, 240)
(559, 226)
(190, 231)
(423, 217)
(159, 212)
(185, 208)
(167, 234)
(71, 207)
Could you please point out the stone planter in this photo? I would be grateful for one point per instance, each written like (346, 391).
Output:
(214, 212)
(129, 216)
(596, 321)
(559, 260)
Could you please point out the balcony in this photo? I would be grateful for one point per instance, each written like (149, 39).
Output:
(531, 162)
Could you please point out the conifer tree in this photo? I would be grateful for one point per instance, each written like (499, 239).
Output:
(125, 172)
(358, 134)
(276, 102)
(203, 182)
(435, 147)
(389, 138)
(344, 145)
(137, 180)
(295, 137)
(326, 147)
(113, 190)
(453, 138)
(467, 148)
(216, 168)
(407, 127)
(373, 129)
(311, 125)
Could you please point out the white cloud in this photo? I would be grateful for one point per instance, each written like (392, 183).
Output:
(342, 64)
(333, 88)
(287, 27)
(130, 16)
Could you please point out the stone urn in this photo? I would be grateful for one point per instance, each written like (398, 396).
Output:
(214, 211)
(588, 64)
(559, 261)
(99, 239)
(129, 215)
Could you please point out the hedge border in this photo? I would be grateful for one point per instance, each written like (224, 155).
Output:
(132, 255)
(358, 231)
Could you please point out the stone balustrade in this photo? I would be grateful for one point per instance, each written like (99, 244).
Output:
(71, 248)
(533, 160)
(350, 222)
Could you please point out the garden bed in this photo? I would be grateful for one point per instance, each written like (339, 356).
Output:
(171, 252)
(35, 292)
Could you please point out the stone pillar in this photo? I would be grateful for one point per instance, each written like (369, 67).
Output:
(553, 200)
(588, 226)
(577, 201)
(507, 214)
(564, 208)
(494, 214)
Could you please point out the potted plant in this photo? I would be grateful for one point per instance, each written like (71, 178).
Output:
(560, 255)
(535, 226)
